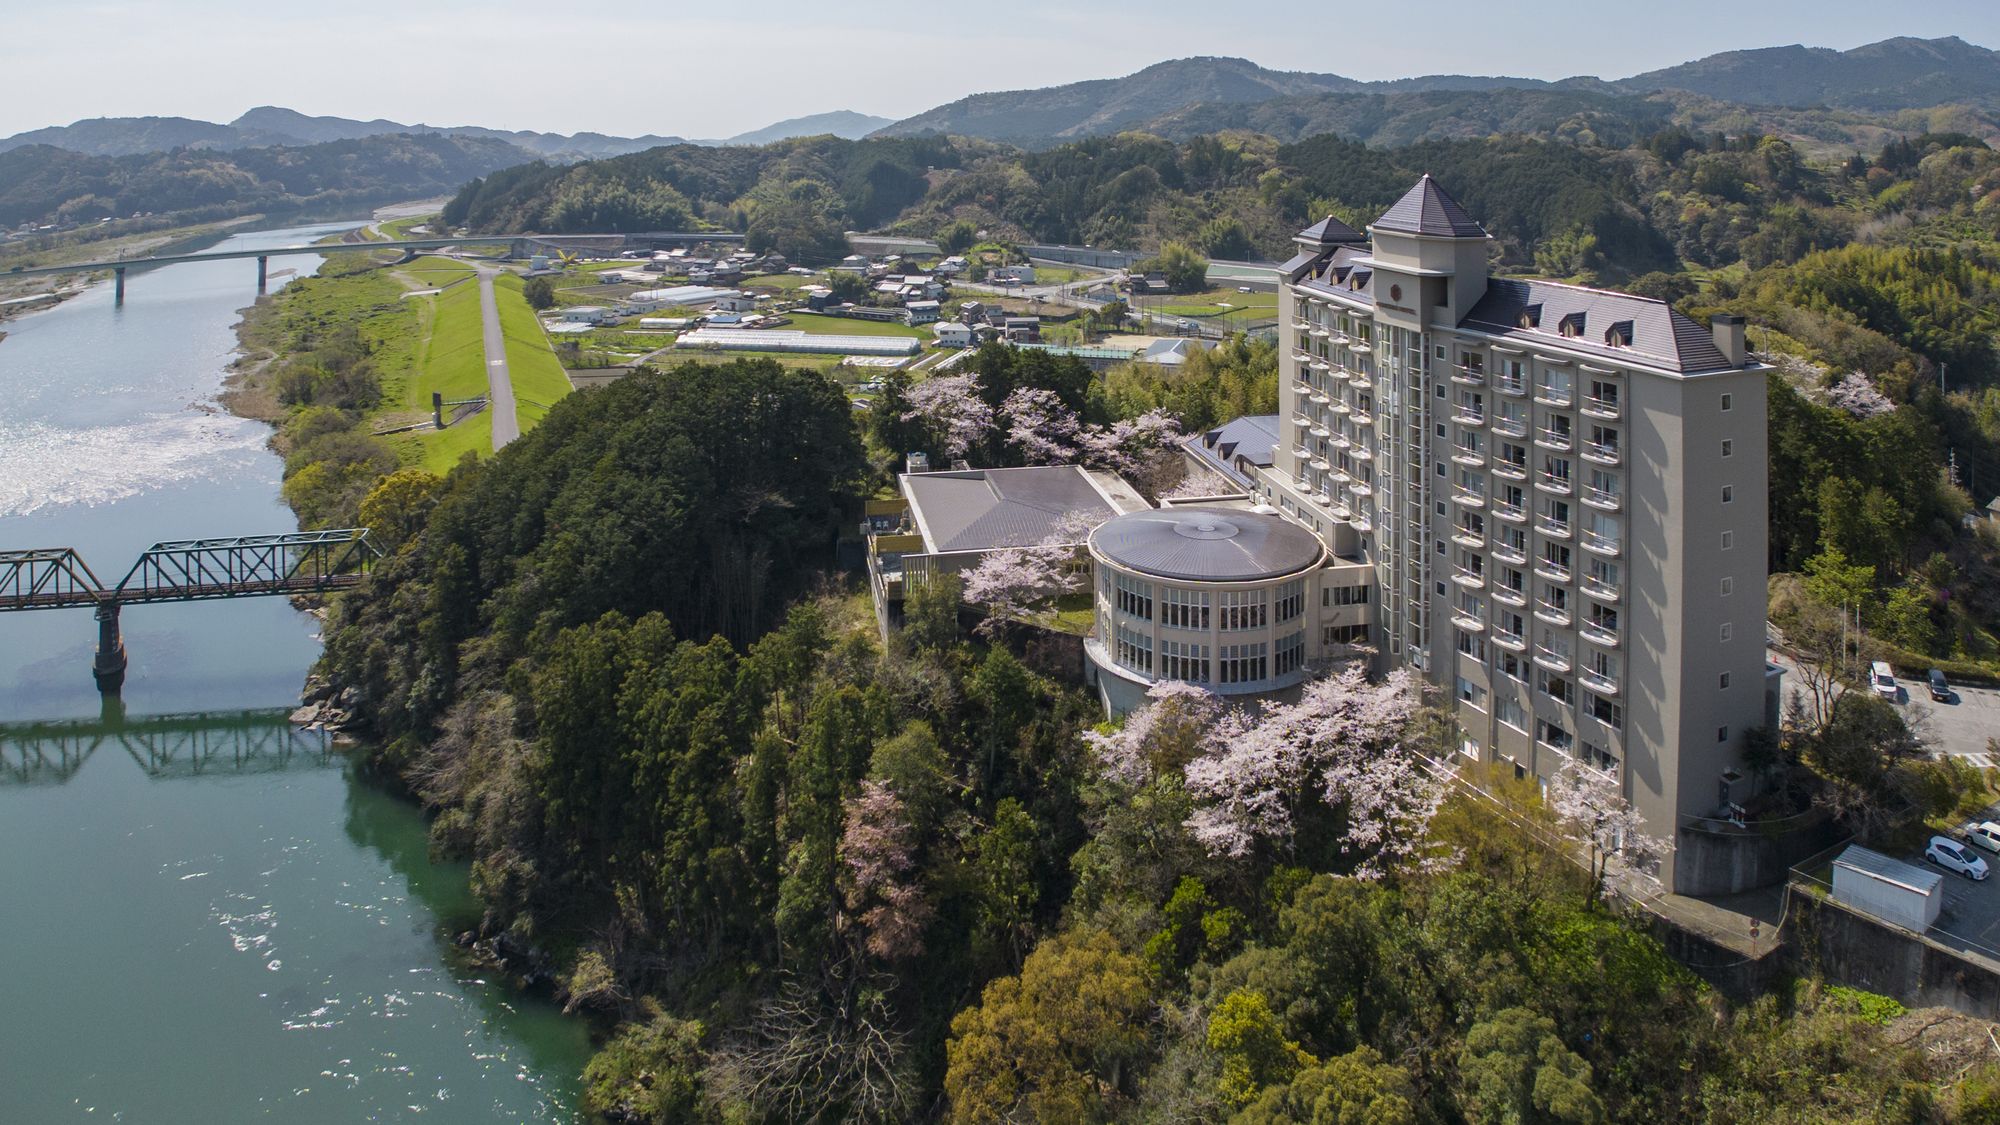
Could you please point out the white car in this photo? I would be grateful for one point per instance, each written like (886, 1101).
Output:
(1954, 856)
(1882, 678)
(1985, 833)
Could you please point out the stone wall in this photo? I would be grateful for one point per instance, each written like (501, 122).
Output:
(1715, 858)
(1853, 949)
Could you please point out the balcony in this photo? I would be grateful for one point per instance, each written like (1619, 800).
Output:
(1604, 453)
(1509, 427)
(1468, 455)
(1558, 440)
(1302, 388)
(1360, 523)
(1467, 621)
(1599, 589)
(1340, 407)
(1465, 576)
(1300, 419)
(1599, 498)
(1301, 453)
(1466, 498)
(1508, 552)
(1599, 544)
(1550, 483)
(1468, 415)
(1555, 660)
(1506, 386)
(1360, 488)
(1552, 527)
(1552, 570)
(1512, 470)
(1554, 396)
(1470, 376)
(1514, 642)
(1321, 430)
(1512, 512)
(1362, 453)
(1322, 499)
(1319, 397)
(1598, 681)
(1553, 614)
(1597, 633)
(1320, 462)
(1600, 407)
(1363, 418)
(1339, 509)
(1509, 595)
(1469, 539)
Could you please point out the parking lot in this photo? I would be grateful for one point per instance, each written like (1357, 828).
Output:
(1971, 916)
(1961, 728)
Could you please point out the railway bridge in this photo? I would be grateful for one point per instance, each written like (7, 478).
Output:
(189, 570)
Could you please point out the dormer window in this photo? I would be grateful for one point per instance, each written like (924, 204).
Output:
(1531, 316)
(1571, 325)
(1619, 335)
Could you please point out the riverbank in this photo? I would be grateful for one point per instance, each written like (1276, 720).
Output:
(20, 296)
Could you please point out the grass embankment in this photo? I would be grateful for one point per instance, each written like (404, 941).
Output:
(538, 377)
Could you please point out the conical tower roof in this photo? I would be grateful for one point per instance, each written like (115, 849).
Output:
(1426, 209)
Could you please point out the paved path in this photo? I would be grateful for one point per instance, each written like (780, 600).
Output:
(500, 386)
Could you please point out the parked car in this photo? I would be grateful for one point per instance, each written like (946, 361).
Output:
(1985, 833)
(1954, 856)
(1940, 689)
(1882, 678)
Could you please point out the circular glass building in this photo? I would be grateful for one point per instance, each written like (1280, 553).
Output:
(1217, 597)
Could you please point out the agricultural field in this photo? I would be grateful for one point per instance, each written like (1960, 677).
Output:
(844, 326)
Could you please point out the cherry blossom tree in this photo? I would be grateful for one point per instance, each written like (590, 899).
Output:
(1129, 444)
(1588, 804)
(950, 408)
(1199, 483)
(1856, 394)
(1346, 744)
(1040, 427)
(879, 889)
(1017, 581)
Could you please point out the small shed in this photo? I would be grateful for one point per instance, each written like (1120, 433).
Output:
(1894, 891)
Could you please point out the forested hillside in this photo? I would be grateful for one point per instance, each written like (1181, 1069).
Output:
(40, 183)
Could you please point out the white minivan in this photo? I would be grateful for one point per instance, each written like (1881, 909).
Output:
(1882, 678)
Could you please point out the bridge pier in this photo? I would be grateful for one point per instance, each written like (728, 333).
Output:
(108, 668)
(263, 271)
(118, 297)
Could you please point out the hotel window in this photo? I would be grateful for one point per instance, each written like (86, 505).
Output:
(1180, 660)
(1512, 667)
(1291, 654)
(1471, 694)
(1729, 494)
(1243, 609)
(1729, 447)
(1728, 586)
(1722, 734)
(1728, 400)
(1291, 600)
(1511, 714)
(1135, 598)
(1183, 609)
(1728, 631)
(1344, 635)
(1601, 758)
(1607, 712)
(1723, 681)
(1241, 664)
(1344, 595)
(1549, 734)
(1728, 540)
(1472, 644)
(1134, 651)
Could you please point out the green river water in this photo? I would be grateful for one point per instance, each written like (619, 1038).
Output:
(209, 918)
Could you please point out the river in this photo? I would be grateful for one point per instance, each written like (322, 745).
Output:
(209, 918)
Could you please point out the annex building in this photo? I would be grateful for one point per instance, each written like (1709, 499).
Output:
(1549, 500)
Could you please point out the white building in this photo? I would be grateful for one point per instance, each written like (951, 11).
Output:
(1549, 500)
(951, 334)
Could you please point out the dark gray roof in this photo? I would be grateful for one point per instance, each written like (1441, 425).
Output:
(1208, 544)
(1329, 230)
(980, 509)
(1426, 209)
(1252, 438)
(1337, 271)
(1660, 336)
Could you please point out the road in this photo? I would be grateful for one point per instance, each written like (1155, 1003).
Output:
(1961, 728)
(500, 385)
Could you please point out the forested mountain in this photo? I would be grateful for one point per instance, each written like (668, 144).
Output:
(1184, 97)
(1894, 74)
(42, 183)
(1400, 117)
(839, 123)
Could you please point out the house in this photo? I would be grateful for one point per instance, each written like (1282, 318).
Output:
(952, 266)
(735, 302)
(1011, 275)
(951, 334)
(818, 297)
(1237, 451)
(947, 522)
(923, 312)
(1150, 283)
(869, 312)
(1172, 353)
(1022, 329)
(588, 314)
(853, 263)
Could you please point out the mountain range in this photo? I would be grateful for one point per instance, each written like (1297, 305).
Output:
(1182, 97)
(270, 126)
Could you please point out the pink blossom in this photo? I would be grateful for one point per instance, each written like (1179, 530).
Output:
(879, 854)
(1041, 427)
(1592, 808)
(950, 407)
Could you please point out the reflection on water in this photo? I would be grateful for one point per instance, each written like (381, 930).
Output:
(208, 915)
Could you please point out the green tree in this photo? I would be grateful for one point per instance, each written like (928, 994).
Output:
(957, 237)
(395, 509)
(1515, 1071)
(1357, 1088)
(539, 293)
(1185, 269)
(1253, 1048)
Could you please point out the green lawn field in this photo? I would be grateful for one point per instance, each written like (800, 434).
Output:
(845, 326)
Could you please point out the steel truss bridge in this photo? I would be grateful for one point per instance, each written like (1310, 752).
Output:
(189, 570)
(165, 746)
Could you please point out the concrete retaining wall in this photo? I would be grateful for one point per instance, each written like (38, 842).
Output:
(1853, 949)
(1723, 860)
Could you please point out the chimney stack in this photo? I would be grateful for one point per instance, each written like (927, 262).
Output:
(1728, 329)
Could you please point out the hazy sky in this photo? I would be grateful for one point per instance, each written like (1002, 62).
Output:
(706, 69)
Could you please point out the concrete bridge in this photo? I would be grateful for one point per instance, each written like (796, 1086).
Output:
(519, 246)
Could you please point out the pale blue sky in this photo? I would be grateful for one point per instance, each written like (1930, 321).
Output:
(714, 69)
